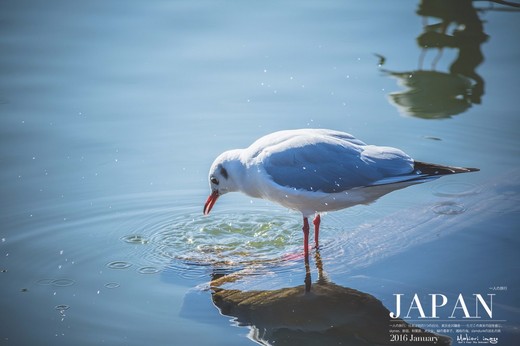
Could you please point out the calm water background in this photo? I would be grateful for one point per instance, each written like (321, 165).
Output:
(112, 112)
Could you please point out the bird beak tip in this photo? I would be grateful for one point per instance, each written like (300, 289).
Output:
(210, 202)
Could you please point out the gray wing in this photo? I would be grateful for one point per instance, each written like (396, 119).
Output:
(336, 166)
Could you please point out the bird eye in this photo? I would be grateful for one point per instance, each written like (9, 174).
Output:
(213, 180)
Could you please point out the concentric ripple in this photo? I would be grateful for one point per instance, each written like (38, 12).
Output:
(135, 239)
(62, 307)
(224, 240)
(455, 189)
(448, 208)
(112, 285)
(119, 265)
(148, 270)
(62, 282)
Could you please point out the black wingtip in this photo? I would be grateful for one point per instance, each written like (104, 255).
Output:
(434, 169)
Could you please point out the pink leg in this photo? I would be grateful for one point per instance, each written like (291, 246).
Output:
(316, 223)
(306, 236)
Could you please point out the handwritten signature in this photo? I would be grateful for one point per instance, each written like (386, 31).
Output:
(468, 339)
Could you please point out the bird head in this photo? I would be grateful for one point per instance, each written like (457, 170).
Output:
(221, 178)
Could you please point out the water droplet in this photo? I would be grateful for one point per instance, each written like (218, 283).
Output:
(119, 265)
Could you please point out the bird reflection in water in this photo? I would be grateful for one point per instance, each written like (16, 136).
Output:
(432, 94)
(321, 313)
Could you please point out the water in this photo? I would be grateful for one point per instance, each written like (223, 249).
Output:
(112, 112)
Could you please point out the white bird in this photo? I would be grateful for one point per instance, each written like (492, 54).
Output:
(315, 171)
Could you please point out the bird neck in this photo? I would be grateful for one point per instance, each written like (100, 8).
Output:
(244, 175)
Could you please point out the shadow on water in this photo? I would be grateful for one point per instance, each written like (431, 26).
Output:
(320, 313)
(432, 94)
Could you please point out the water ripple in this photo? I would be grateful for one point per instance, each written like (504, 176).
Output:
(112, 285)
(223, 240)
(455, 189)
(62, 282)
(119, 265)
(134, 239)
(148, 270)
(448, 208)
(62, 307)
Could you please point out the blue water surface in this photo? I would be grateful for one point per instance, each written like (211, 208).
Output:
(111, 113)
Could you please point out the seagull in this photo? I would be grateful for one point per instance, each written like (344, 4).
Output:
(315, 171)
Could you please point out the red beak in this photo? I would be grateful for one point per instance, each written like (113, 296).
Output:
(210, 202)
